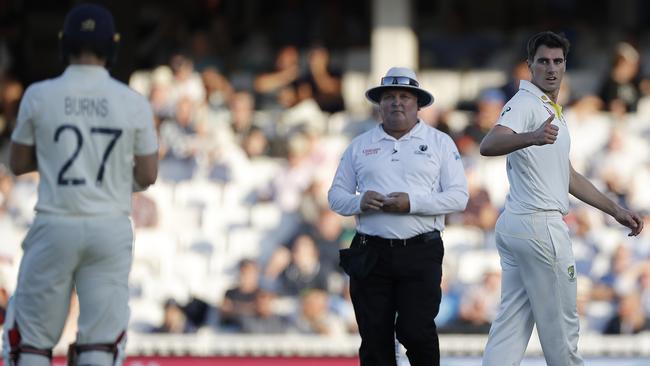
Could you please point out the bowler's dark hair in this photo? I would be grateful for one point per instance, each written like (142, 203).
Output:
(548, 39)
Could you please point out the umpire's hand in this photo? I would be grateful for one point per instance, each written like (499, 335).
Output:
(372, 201)
(397, 202)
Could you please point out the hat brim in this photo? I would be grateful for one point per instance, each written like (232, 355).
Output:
(424, 97)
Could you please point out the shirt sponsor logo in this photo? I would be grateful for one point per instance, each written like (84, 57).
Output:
(374, 151)
(506, 110)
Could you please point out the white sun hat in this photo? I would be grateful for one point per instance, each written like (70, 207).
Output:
(400, 77)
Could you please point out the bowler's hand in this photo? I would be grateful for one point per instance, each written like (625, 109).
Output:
(629, 219)
(397, 202)
(546, 133)
(372, 201)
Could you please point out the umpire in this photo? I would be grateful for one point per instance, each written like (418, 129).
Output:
(399, 180)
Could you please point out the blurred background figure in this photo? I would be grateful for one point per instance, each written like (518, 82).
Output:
(264, 319)
(480, 303)
(621, 88)
(239, 301)
(518, 72)
(630, 317)
(174, 320)
(286, 71)
(325, 80)
(315, 317)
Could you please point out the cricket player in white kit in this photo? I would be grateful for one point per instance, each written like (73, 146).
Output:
(92, 141)
(539, 279)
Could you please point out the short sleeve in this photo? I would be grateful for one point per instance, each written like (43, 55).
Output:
(515, 116)
(24, 131)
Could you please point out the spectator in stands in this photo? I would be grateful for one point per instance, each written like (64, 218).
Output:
(480, 212)
(621, 260)
(289, 184)
(242, 110)
(343, 308)
(10, 93)
(325, 80)
(202, 51)
(518, 72)
(4, 295)
(433, 116)
(217, 88)
(449, 305)
(479, 305)
(583, 238)
(301, 111)
(178, 146)
(618, 163)
(20, 201)
(326, 232)
(12, 233)
(583, 298)
(255, 143)
(630, 317)
(589, 130)
(6, 185)
(644, 284)
(620, 91)
(160, 92)
(144, 212)
(315, 317)
(186, 82)
(264, 320)
(239, 301)
(488, 108)
(174, 320)
(305, 271)
(286, 71)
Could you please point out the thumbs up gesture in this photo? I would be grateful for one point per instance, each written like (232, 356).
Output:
(546, 133)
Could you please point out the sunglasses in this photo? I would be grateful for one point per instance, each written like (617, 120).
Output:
(399, 80)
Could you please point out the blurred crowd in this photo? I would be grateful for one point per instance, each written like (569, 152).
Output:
(236, 235)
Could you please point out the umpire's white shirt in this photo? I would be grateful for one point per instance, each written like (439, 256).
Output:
(423, 163)
(538, 175)
(86, 127)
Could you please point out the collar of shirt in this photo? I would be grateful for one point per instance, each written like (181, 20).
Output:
(86, 71)
(533, 89)
(417, 131)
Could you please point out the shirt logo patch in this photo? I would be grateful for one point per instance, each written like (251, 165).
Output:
(571, 271)
(506, 110)
(88, 25)
(423, 148)
(374, 151)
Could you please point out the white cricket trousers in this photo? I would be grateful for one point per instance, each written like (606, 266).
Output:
(92, 254)
(538, 286)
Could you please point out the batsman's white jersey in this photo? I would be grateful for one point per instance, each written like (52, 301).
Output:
(539, 278)
(88, 127)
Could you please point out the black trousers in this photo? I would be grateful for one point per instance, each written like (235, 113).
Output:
(400, 297)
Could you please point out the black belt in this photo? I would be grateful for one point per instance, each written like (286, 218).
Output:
(416, 240)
